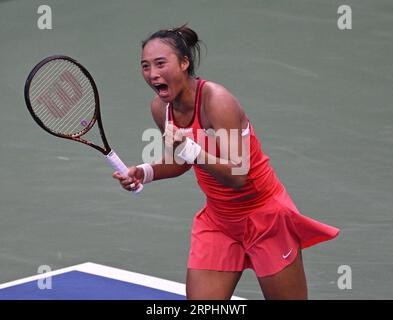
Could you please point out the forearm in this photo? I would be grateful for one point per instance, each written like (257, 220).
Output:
(164, 170)
(224, 171)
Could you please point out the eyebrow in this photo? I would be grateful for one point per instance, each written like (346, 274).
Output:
(156, 59)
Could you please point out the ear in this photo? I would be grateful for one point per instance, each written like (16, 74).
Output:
(185, 63)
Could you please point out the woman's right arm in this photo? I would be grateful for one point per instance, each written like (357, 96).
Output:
(161, 170)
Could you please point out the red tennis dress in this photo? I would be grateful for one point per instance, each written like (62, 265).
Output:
(258, 226)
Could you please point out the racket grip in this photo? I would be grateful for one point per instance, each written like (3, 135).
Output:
(113, 159)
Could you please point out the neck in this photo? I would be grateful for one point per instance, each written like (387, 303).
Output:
(185, 101)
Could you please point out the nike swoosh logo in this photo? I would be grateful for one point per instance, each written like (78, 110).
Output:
(284, 256)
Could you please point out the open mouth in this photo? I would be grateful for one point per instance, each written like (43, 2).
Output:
(161, 88)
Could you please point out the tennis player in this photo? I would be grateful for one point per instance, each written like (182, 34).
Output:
(248, 220)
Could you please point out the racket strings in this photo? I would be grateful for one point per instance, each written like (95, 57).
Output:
(62, 97)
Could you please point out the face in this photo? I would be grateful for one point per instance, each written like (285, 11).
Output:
(162, 70)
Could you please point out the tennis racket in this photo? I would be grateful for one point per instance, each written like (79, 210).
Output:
(63, 99)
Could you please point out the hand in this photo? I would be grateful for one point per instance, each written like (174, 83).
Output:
(173, 136)
(132, 181)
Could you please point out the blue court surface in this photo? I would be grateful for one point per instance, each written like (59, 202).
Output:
(91, 281)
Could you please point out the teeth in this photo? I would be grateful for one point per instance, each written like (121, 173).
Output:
(160, 86)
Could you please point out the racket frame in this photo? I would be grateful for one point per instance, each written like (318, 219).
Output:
(97, 113)
(110, 155)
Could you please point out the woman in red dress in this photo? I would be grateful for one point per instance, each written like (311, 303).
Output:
(248, 220)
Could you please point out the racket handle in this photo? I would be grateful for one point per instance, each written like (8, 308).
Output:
(113, 159)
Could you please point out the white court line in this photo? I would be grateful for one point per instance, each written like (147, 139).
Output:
(39, 276)
(113, 273)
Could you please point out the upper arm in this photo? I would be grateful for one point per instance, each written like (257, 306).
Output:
(228, 119)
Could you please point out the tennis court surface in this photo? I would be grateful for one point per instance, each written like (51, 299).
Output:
(91, 281)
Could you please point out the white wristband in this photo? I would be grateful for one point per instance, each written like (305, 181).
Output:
(189, 150)
(148, 172)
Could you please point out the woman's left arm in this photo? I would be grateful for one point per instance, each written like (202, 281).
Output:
(227, 118)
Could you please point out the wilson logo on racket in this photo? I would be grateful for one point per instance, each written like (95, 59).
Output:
(64, 93)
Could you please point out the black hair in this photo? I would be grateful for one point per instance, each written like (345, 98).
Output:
(184, 40)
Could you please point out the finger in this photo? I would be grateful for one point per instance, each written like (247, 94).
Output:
(168, 135)
(117, 175)
(135, 184)
(178, 136)
(126, 182)
(128, 186)
(170, 129)
(132, 186)
(168, 141)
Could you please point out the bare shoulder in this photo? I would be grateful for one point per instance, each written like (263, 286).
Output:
(221, 105)
(158, 112)
(213, 89)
